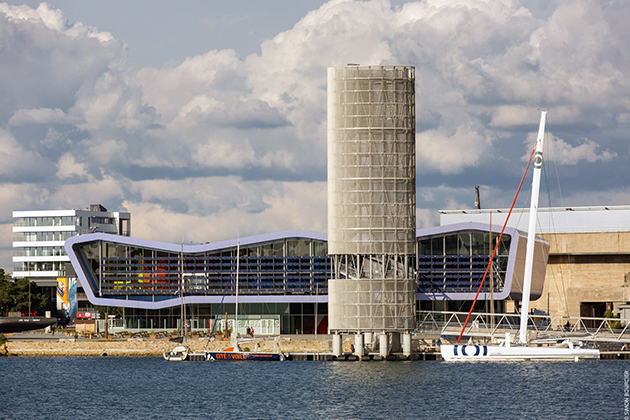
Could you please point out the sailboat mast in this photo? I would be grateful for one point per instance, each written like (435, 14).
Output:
(182, 309)
(238, 259)
(531, 230)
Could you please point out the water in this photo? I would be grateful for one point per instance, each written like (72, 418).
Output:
(151, 388)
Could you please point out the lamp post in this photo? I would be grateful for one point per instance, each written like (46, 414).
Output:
(316, 295)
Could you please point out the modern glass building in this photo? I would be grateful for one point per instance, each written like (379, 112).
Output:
(453, 259)
(283, 276)
(41, 234)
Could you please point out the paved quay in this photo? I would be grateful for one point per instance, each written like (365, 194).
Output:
(42, 345)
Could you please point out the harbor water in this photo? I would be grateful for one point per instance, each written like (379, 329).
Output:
(151, 388)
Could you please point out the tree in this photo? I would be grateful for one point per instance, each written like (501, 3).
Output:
(110, 310)
(15, 295)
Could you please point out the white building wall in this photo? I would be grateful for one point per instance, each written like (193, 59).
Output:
(550, 220)
(43, 258)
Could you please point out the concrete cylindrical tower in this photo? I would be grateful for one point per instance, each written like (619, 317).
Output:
(371, 160)
(371, 197)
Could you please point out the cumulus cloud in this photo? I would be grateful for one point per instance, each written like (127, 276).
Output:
(216, 205)
(435, 149)
(39, 116)
(68, 167)
(565, 154)
(45, 60)
(219, 142)
(18, 164)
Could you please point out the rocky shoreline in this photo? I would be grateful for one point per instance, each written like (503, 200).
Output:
(139, 347)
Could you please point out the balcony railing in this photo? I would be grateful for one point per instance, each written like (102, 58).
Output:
(45, 254)
(22, 223)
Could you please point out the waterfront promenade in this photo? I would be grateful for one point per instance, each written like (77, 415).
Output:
(43, 345)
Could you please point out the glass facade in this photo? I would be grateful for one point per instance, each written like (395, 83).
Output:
(295, 318)
(456, 262)
(296, 270)
(284, 267)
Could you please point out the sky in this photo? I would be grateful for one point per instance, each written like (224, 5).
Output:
(207, 119)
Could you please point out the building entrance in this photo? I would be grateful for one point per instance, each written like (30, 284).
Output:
(592, 309)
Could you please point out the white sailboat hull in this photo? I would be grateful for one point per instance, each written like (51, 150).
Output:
(475, 353)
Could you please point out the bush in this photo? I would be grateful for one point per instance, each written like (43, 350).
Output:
(3, 339)
(615, 325)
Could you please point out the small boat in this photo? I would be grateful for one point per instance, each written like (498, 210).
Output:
(20, 324)
(567, 350)
(177, 354)
(236, 354)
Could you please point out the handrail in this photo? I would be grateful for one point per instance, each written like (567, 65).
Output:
(546, 327)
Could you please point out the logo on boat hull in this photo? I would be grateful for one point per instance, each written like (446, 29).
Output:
(464, 351)
(225, 356)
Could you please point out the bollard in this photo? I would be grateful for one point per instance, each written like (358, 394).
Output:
(407, 344)
(336, 344)
(383, 345)
(358, 345)
(367, 340)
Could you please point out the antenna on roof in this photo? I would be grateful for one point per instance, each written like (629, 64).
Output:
(478, 202)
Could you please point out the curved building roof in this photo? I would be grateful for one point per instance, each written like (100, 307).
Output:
(139, 273)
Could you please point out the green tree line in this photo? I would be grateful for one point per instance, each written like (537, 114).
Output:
(14, 296)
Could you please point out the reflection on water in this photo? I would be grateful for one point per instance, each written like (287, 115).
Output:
(140, 388)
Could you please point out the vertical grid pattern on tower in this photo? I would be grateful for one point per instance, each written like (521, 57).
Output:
(371, 160)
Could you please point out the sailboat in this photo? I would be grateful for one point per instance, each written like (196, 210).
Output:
(235, 353)
(521, 351)
(180, 352)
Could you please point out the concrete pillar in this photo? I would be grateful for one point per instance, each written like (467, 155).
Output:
(395, 342)
(336, 339)
(407, 344)
(367, 340)
(383, 345)
(358, 345)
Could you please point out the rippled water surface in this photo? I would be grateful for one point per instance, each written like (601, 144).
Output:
(151, 388)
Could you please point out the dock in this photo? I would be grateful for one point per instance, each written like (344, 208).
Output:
(346, 357)
(614, 355)
(372, 357)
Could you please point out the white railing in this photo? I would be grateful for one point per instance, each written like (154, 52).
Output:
(545, 327)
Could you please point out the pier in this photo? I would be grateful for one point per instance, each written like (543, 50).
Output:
(294, 347)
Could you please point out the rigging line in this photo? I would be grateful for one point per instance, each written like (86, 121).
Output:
(553, 226)
(562, 293)
(218, 312)
(497, 245)
(520, 285)
(550, 149)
